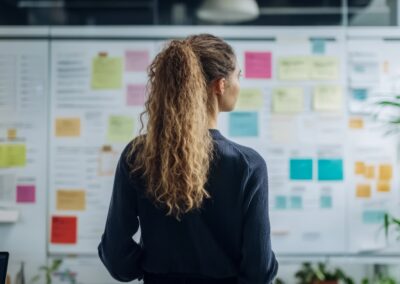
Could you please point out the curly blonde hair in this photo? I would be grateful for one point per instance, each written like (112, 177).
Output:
(176, 152)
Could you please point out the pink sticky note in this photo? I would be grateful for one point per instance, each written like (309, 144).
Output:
(136, 60)
(258, 65)
(135, 95)
(26, 193)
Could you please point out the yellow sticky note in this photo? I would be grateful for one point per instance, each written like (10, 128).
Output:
(324, 68)
(12, 155)
(369, 172)
(328, 98)
(120, 128)
(385, 172)
(249, 99)
(294, 68)
(68, 127)
(383, 186)
(363, 190)
(356, 123)
(11, 133)
(106, 73)
(287, 100)
(71, 200)
(359, 168)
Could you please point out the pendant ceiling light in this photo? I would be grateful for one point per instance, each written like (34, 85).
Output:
(228, 11)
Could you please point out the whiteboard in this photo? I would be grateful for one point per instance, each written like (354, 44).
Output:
(23, 128)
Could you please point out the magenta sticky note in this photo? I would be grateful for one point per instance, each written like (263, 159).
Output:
(258, 65)
(26, 193)
(136, 60)
(135, 95)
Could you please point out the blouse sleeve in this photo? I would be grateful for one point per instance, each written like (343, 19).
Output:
(258, 263)
(117, 250)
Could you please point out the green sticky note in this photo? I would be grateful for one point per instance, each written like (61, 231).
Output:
(301, 169)
(249, 99)
(280, 202)
(296, 202)
(330, 169)
(106, 73)
(326, 201)
(373, 216)
(120, 128)
(327, 98)
(243, 124)
(324, 68)
(294, 68)
(12, 155)
(287, 100)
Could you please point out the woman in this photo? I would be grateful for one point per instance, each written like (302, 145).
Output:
(201, 199)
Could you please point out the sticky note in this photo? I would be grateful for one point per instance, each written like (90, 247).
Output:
(26, 193)
(318, 46)
(356, 123)
(369, 172)
(294, 68)
(359, 168)
(106, 73)
(287, 100)
(324, 68)
(71, 200)
(383, 186)
(359, 94)
(296, 202)
(373, 216)
(330, 169)
(68, 127)
(136, 60)
(363, 190)
(385, 172)
(301, 169)
(11, 133)
(135, 95)
(249, 99)
(243, 124)
(280, 202)
(328, 98)
(64, 230)
(120, 128)
(12, 155)
(258, 65)
(326, 201)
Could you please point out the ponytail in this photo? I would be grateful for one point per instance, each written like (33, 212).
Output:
(176, 151)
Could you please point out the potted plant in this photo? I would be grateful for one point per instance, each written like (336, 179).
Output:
(391, 222)
(48, 272)
(318, 274)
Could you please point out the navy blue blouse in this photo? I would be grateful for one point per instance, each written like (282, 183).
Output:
(228, 237)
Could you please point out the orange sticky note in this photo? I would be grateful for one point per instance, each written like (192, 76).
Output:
(356, 123)
(385, 172)
(64, 229)
(11, 133)
(359, 168)
(68, 127)
(383, 186)
(363, 190)
(369, 172)
(71, 200)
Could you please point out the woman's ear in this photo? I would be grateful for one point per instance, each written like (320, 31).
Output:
(219, 86)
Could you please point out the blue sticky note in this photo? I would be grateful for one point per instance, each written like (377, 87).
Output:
(359, 94)
(243, 124)
(318, 46)
(296, 202)
(326, 201)
(301, 169)
(280, 202)
(330, 169)
(373, 217)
